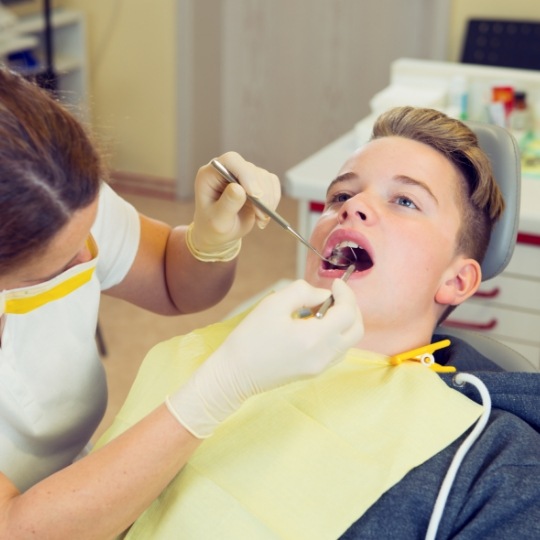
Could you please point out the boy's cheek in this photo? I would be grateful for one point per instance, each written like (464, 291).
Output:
(322, 229)
(311, 271)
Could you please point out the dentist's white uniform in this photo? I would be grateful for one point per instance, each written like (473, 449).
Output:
(53, 391)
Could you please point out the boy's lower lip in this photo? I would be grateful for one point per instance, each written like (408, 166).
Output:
(338, 272)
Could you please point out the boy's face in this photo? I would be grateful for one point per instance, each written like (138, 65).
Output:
(398, 200)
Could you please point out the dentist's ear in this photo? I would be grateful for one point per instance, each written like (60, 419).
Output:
(459, 283)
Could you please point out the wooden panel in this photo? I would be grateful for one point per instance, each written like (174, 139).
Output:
(296, 75)
(288, 77)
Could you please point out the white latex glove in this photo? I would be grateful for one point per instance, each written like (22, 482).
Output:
(266, 350)
(222, 213)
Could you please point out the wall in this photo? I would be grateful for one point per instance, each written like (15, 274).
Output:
(199, 83)
(275, 80)
(131, 53)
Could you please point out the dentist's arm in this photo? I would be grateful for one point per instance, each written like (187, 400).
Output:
(190, 268)
(102, 494)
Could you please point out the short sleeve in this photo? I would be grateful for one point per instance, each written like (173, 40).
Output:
(117, 232)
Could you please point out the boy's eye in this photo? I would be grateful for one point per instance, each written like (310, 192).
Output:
(405, 201)
(338, 198)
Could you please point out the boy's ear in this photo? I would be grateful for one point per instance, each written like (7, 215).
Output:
(461, 282)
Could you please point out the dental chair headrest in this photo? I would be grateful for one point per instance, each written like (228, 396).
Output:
(503, 153)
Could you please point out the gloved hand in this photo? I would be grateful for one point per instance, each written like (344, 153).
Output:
(267, 349)
(222, 216)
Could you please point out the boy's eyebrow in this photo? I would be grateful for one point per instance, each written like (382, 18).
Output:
(341, 178)
(414, 182)
(402, 178)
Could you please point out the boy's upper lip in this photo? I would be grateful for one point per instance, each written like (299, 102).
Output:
(342, 235)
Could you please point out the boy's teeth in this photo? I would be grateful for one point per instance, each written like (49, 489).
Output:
(347, 243)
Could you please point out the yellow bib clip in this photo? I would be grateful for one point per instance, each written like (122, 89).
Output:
(424, 355)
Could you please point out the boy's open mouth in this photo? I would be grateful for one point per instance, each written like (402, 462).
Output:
(347, 253)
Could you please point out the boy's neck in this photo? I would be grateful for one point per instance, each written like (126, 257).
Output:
(391, 341)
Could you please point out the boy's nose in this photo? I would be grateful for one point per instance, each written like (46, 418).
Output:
(344, 215)
(353, 209)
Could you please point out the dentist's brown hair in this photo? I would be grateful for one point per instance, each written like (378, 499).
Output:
(49, 168)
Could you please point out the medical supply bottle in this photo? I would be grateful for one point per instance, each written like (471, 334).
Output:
(520, 119)
(458, 99)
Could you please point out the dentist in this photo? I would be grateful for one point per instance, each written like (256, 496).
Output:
(65, 237)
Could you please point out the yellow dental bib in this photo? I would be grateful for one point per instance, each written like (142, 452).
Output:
(301, 462)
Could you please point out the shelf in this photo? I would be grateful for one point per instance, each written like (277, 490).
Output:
(69, 48)
(62, 66)
(18, 43)
(36, 23)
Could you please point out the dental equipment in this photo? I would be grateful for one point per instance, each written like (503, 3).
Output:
(336, 258)
(330, 300)
(320, 310)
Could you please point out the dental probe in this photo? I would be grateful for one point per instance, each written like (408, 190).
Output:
(335, 258)
(330, 300)
(319, 311)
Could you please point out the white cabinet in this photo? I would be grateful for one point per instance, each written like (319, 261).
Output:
(507, 307)
(69, 47)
